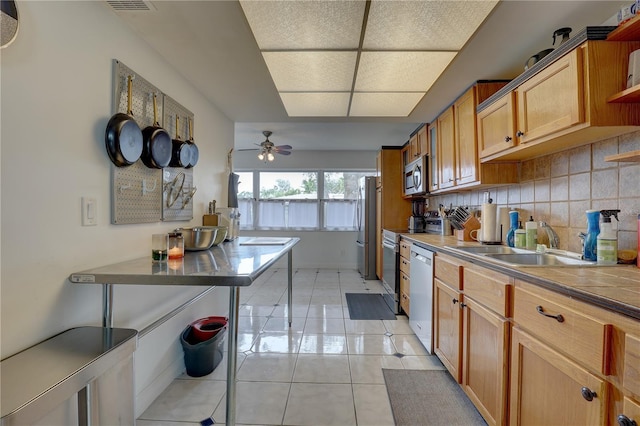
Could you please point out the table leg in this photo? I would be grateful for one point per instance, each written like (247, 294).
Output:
(232, 354)
(107, 305)
(290, 283)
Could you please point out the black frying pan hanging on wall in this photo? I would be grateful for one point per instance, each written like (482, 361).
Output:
(156, 150)
(123, 137)
(180, 155)
(195, 152)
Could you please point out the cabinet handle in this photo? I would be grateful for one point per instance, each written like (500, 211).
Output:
(626, 421)
(588, 394)
(463, 305)
(507, 138)
(558, 317)
(519, 133)
(454, 301)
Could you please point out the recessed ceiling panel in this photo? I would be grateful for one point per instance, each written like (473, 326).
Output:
(424, 25)
(384, 104)
(311, 71)
(400, 71)
(305, 24)
(316, 104)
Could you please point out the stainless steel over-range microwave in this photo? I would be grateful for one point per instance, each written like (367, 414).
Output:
(416, 176)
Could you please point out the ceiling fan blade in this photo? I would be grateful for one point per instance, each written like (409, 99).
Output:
(282, 152)
(284, 147)
(248, 149)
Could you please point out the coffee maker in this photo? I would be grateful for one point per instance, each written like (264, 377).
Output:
(416, 220)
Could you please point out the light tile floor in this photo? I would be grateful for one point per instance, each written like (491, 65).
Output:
(324, 370)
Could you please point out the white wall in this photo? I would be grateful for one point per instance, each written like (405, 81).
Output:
(56, 97)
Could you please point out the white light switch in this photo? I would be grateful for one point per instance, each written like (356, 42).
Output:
(89, 211)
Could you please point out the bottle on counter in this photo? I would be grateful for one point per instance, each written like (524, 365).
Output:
(607, 239)
(513, 226)
(531, 228)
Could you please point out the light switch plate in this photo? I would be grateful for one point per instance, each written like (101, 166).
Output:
(89, 211)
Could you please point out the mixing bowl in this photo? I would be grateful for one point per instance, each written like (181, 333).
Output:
(199, 237)
(222, 234)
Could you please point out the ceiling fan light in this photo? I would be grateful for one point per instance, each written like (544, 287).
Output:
(270, 156)
(261, 156)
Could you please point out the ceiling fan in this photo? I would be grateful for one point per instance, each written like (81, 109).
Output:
(267, 148)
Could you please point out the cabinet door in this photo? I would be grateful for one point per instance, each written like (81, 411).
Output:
(466, 147)
(448, 327)
(405, 301)
(496, 126)
(485, 346)
(552, 100)
(433, 158)
(423, 142)
(547, 388)
(446, 149)
(630, 412)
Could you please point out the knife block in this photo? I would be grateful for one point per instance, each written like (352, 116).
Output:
(211, 219)
(469, 225)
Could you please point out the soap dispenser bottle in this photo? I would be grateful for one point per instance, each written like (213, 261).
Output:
(531, 228)
(607, 240)
(591, 237)
(513, 225)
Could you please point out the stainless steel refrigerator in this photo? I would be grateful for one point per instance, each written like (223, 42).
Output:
(366, 224)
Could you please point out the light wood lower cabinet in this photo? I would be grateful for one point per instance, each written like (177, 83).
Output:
(447, 338)
(484, 360)
(548, 388)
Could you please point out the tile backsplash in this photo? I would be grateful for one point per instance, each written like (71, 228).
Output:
(559, 188)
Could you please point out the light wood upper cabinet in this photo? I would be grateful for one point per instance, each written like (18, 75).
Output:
(496, 126)
(562, 106)
(466, 149)
(553, 100)
(446, 149)
(434, 180)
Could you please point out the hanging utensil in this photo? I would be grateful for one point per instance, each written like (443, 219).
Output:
(195, 152)
(123, 137)
(181, 155)
(156, 150)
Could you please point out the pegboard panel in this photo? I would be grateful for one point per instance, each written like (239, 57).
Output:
(138, 192)
(177, 194)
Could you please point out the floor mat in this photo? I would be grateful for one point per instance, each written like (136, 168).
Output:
(429, 397)
(367, 306)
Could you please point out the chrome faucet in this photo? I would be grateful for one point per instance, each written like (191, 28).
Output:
(554, 240)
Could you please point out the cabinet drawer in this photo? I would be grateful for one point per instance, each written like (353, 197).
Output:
(492, 289)
(405, 249)
(405, 303)
(631, 410)
(404, 283)
(449, 270)
(405, 265)
(631, 376)
(585, 339)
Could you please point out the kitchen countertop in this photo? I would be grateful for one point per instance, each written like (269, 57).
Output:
(615, 288)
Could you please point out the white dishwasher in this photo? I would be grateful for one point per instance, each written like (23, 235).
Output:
(421, 295)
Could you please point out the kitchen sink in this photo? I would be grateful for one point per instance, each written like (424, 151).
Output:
(489, 249)
(538, 259)
(521, 257)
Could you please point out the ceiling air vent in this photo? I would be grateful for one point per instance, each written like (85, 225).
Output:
(130, 5)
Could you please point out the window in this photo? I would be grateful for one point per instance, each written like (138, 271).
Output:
(307, 200)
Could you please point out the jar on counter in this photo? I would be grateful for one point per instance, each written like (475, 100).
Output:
(520, 239)
(176, 245)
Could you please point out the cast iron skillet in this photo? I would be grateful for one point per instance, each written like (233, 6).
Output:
(195, 152)
(123, 137)
(156, 150)
(180, 155)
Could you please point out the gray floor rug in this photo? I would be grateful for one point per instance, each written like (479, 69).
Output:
(367, 306)
(428, 397)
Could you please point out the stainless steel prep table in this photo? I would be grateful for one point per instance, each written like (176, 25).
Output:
(232, 264)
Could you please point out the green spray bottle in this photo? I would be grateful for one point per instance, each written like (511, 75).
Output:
(607, 243)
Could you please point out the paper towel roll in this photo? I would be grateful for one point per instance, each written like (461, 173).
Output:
(489, 219)
(503, 224)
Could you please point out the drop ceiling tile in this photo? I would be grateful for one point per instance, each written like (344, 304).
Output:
(400, 71)
(384, 104)
(305, 24)
(424, 25)
(311, 71)
(316, 104)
